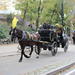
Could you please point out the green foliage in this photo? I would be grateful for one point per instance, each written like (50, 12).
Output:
(4, 32)
(9, 18)
(2, 35)
(50, 10)
(47, 7)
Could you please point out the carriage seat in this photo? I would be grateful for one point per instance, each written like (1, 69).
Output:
(45, 34)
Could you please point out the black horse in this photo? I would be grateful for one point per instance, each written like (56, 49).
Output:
(23, 41)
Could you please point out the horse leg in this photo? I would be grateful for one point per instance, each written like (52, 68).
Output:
(14, 40)
(22, 51)
(31, 50)
(39, 50)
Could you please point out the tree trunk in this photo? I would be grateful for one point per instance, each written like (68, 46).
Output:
(25, 11)
(38, 17)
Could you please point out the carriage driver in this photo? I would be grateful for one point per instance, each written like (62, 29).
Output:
(59, 29)
(59, 32)
(14, 23)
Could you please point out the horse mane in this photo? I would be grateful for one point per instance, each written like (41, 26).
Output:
(19, 30)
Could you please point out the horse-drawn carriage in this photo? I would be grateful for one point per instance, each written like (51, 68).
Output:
(46, 38)
(51, 39)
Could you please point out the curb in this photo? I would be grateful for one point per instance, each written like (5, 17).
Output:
(58, 70)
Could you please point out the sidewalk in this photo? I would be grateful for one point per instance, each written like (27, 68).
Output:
(7, 50)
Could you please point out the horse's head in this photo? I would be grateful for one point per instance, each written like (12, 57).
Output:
(15, 33)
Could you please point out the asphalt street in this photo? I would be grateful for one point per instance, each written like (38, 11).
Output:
(9, 64)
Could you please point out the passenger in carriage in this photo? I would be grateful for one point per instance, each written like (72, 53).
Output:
(45, 25)
(46, 32)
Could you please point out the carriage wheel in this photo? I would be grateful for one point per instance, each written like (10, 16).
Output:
(54, 49)
(66, 47)
(28, 50)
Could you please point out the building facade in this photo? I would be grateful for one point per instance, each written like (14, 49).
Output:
(7, 6)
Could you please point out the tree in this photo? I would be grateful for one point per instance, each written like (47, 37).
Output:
(9, 19)
(45, 10)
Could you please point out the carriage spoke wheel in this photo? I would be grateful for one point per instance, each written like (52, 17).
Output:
(54, 49)
(27, 50)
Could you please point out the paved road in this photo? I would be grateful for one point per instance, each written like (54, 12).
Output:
(8, 49)
(9, 65)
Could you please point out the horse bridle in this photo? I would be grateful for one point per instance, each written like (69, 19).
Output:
(23, 36)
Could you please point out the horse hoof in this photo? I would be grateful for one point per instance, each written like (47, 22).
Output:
(37, 57)
(20, 60)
